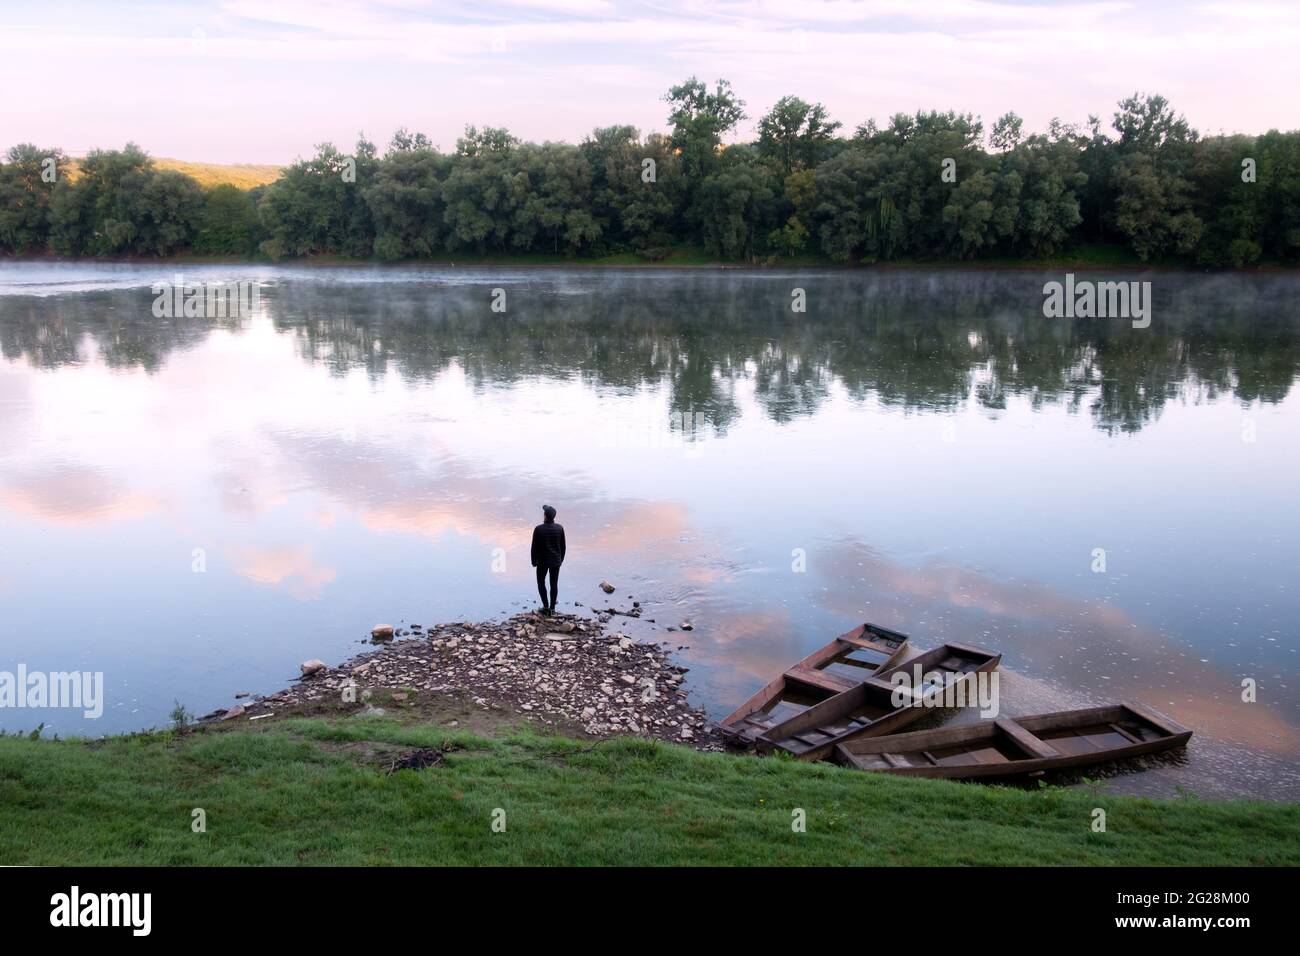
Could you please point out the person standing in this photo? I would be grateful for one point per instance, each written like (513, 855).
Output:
(548, 555)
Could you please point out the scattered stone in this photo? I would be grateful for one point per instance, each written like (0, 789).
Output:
(607, 587)
(381, 632)
(687, 626)
(312, 667)
(559, 671)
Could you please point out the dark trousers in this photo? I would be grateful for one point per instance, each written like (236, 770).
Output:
(554, 572)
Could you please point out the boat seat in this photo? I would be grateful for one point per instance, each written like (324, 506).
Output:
(809, 741)
(818, 678)
(1120, 730)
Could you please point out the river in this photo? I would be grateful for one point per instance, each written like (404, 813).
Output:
(193, 506)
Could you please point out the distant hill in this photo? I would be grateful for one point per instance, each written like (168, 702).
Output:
(243, 175)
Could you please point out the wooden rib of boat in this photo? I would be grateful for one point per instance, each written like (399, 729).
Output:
(831, 669)
(870, 709)
(1008, 747)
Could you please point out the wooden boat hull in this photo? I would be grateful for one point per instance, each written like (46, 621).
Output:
(1008, 747)
(831, 669)
(869, 709)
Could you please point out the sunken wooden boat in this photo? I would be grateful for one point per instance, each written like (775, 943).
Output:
(878, 705)
(831, 669)
(1015, 746)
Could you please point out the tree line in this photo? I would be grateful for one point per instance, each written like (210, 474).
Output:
(929, 185)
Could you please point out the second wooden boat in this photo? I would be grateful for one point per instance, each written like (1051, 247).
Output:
(874, 707)
(831, 669)
(1011, 746)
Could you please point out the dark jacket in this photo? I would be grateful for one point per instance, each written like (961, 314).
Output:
(548, 545)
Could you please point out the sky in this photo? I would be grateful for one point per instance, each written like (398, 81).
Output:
(256, 81)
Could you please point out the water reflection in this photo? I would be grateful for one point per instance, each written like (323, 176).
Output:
(913, 340)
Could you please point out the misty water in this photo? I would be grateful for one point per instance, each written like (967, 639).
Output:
(194, 506)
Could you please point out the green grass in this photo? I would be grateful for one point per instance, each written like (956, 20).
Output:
(318, 792)
(1086, 256)
(677, 256)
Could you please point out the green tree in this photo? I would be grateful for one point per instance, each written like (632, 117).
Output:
(317, 206)
(171, 208)
(481, 193)
(1234, 212)
(1152, 190)
(800, 194)
(796, 134)
(699, 119)
(738, 206)
(637, 192)
(405, 199)
(980, 212)
(99, 213)
(1006, 132)
(552, 209)
(404, 140)
(1278, 178)
(918, 149)
(228, 224)
(121, 205)
(1043, 175)
(856, 211)
(25, 193)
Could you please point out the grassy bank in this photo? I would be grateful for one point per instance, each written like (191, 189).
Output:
(1087, 256)
(319, 791)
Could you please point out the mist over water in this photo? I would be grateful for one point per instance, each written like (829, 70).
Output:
(946, 460)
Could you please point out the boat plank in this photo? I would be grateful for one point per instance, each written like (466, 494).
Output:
(1031, 744)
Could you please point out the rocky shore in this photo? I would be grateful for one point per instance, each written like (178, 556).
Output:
(574, 674)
